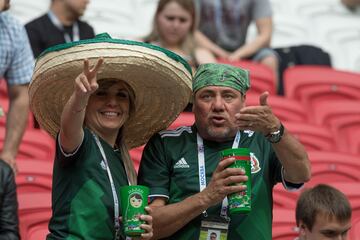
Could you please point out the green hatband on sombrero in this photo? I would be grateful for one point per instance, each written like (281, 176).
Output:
(160, 79)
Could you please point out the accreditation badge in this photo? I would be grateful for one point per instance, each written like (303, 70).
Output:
(214, 228)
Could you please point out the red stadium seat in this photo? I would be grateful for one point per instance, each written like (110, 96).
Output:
(27, 151)
(284, 108)
(136, 154)
(4, 102)
(3, 87)
(284, 224)
(34, 176)
(343, 117)
(283, 198)
(355, 143)
(4, 105)
(355, 230)
(328, 167)
(34, 213)
(35, 144)
(40, 231)
(261, 77)
(184, 119)
(347, 132)
(326, 112)
(311, 136)
(315, 84)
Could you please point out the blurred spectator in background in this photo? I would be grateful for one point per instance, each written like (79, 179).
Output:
(223, 29)
(174, 25)
(352, 4)
(16, 67)
(9, 223)
(61, 24)
(323, 212)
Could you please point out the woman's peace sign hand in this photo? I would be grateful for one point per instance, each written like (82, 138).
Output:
(86, 82)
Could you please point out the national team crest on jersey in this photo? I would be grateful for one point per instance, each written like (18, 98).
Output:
(255, 165)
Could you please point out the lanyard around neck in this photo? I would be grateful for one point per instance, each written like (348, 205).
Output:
(113, 190)
(58, 25)
(202, 171)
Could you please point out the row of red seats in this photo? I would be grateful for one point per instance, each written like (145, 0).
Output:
(339, 170)
(313, 85)
(308, 84)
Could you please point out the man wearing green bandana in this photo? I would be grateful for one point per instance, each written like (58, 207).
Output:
(188, 182)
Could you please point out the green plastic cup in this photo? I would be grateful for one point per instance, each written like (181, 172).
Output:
(134, 199)
(240, 202)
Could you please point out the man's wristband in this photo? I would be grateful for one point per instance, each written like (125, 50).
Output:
(275, 137)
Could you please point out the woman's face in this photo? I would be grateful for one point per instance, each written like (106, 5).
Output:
(108, 107)
(174, 23)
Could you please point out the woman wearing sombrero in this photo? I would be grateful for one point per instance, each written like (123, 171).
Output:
(99, 98)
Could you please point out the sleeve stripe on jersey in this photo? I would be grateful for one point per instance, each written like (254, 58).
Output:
(72, 153)
(291, 187)
(175, 133)
(153, 196)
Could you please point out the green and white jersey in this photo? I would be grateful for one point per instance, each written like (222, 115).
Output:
(82, 201)
(169, 166)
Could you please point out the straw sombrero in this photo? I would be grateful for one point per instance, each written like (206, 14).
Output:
(160, 79)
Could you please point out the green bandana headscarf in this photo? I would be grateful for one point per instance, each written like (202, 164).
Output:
(214, 74)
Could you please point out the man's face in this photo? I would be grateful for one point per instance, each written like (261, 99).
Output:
(76, 7)
(215, 108)
(4, 5)
(213, 236)
(325, 228)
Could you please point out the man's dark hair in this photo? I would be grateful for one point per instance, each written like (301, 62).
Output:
(322, 199)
